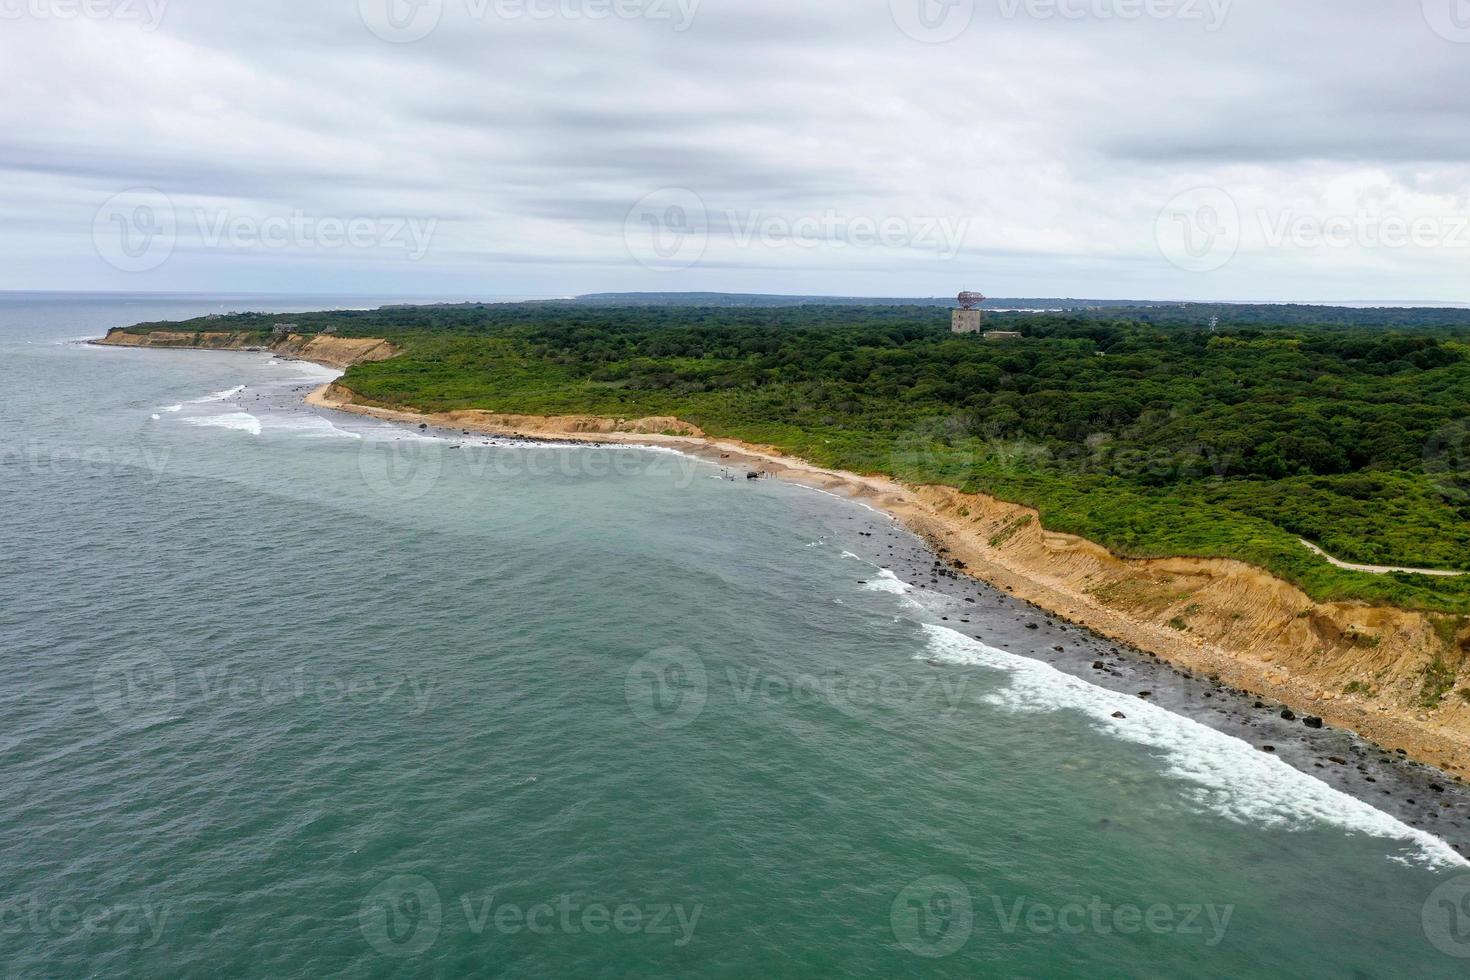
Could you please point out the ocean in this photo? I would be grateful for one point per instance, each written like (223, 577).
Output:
(295, 694)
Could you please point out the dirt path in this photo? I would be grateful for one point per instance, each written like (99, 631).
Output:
(1381, 569)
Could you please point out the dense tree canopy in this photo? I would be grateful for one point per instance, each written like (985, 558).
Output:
(1143, 428)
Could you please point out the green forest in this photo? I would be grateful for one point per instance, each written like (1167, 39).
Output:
(1145, 429)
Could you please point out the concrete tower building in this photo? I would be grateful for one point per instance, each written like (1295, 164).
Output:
(969, 318)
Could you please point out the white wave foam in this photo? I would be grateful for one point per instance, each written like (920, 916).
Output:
(847, 499)
(172, 408)
(310, 370)
(308, 427)
(155, 416)
(1228, 776)
(239, 421)
(219, 396)
(888, 582)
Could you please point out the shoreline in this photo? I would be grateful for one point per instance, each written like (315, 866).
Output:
(1234, 623)
(947, 520)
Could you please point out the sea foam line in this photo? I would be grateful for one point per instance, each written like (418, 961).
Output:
(1229, 776)
(239, 421)
(218, 396)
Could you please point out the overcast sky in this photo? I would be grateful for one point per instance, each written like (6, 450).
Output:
(1160, 149)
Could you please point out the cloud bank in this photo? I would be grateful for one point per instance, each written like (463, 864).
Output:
(1192, 149)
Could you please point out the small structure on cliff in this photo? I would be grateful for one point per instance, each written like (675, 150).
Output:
(282, 330)
(968, 318)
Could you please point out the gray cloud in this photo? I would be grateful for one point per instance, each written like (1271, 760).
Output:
(1055, 141)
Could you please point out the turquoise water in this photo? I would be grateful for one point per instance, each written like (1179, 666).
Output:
(295, 696)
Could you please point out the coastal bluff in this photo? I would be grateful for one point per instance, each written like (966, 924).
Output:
(1394, 676)
(1383, 672)
(332, 351)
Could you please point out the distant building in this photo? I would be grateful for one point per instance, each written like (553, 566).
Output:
(327, 331)
(1002, 335)
(282, 330)
(968, 319)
